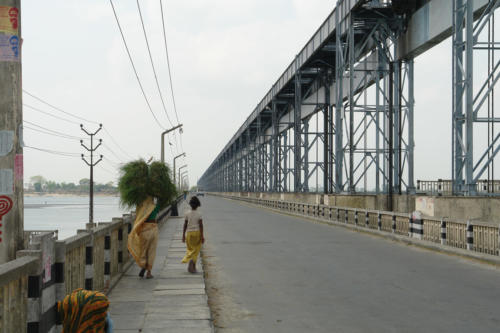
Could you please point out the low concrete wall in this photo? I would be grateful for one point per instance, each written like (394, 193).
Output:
(486, 209)
(50, 268)
(401, 203)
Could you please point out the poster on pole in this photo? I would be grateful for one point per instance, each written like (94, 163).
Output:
(9, 20)
(9, 48)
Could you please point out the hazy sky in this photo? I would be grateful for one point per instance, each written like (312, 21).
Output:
(225, 55)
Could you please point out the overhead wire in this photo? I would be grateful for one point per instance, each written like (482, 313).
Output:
(152, 63)
(55, 152)
(68, 120)
(50, 114)
(58, 109)
(48, 131)
(116, 143)
(154, 70)
(169, 69)
(133, 65)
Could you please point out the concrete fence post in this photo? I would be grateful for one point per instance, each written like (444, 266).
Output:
(499, 239)
(120, 249)
(410, 226)
(393, 223)
(107, 260)
(89, 265)
(60, 285)
(417, 225)
(470, 236)
(379, 221)
(443, 231)
(41, 315)
(367, 219)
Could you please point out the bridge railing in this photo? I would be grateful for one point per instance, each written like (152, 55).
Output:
(472, 236)
(48, 269)
(445, 187)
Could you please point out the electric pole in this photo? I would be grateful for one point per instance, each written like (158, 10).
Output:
(91, 164)
(11, 122)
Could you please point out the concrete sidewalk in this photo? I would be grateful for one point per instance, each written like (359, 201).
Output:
(174, 301)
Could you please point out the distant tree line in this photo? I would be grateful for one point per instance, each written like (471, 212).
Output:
(39, 184)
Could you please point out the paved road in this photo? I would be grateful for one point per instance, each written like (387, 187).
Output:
(276, 273)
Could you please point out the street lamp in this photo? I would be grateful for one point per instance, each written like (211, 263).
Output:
(176, 157)
(185, 181)
(163, 141)
(181, 179)
(179, 171)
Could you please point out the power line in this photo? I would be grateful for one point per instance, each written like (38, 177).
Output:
(50, 114)
(54, 152)
(112, 152)
(170, 71)
(68, 113)
(45, 130)
(133, 66)
(58, 109)
(48, 133)
(116, 143)
(154, 72)
(168, 62)
(152, 63)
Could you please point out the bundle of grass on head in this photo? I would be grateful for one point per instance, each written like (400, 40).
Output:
(140, 180)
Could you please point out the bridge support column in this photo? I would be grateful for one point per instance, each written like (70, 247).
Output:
(297, 142)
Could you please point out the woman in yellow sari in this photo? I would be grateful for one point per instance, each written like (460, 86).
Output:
(143, 238)
(192, 234)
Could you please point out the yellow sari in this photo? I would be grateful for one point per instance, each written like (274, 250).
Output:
(144, 236)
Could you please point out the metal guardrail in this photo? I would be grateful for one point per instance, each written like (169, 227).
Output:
(474, 236)
(444, 187)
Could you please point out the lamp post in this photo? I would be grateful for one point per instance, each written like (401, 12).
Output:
(185, 181)
(179, 173)
(163, 140)
(181, 178)
(176, 157)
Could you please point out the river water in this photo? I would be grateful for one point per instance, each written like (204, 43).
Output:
(67, 213)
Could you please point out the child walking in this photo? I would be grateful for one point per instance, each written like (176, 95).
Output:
(192, 234)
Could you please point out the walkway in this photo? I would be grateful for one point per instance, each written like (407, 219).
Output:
(174, 301)
(275, 273)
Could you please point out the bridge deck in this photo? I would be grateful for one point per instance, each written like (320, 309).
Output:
(276, 273)
(174, 301)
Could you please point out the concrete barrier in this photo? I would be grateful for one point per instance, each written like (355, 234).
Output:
(49, 269)
(475, 237)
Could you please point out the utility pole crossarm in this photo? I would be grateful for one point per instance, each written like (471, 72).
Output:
(91, 164)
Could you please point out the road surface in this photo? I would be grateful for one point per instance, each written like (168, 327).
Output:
(268, 272)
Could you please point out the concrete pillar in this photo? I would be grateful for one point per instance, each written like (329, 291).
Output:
(11, 151)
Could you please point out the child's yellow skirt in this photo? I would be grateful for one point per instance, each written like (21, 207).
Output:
(193, 244)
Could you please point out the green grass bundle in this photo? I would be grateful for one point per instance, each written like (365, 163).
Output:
(162, 187)
(138, 180)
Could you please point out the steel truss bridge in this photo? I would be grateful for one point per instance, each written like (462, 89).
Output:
(340, 119)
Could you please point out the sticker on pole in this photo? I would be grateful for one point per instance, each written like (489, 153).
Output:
(6, 142)
(9, 20)
(9, 48)
(6, 181)
(18, 167)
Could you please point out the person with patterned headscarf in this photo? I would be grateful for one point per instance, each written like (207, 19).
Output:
(84, 311)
